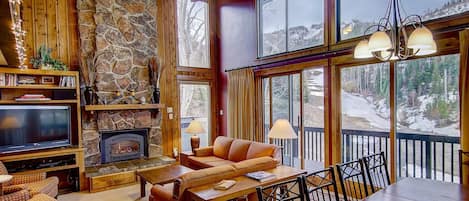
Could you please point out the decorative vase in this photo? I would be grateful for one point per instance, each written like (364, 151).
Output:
(156, 95)
(89, 95)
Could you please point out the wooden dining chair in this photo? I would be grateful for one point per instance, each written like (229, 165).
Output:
(376, 168)
(352, 180)
(461, 163)
(320, 186)
(282, 191)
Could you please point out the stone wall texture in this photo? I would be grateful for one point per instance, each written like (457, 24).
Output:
(121, 35)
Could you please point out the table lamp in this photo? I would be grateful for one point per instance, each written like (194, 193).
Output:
(195, 127)
(282, 130)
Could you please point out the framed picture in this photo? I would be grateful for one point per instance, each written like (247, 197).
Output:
(47, 80)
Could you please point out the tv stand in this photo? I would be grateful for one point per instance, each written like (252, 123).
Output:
(49, 160)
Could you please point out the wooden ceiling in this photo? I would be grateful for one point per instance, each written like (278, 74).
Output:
(7, 39)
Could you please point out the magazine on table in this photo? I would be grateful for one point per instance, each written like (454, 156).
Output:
(261, 176)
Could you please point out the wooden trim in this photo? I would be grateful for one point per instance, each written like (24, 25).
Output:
(123, 107)
(393, 116)
(335, 111)
(288, 69)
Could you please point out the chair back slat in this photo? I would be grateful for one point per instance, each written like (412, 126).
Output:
(376, 168)
(320, 186)
(352, 180)
(282, 191)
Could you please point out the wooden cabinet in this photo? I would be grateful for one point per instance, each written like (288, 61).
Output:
(47, 83)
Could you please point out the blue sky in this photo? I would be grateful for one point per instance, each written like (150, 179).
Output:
(351, 9)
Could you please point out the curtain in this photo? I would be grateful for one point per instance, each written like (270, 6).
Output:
(241, 104)
(464, 97)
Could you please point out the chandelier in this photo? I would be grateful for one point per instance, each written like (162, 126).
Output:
(391, 41)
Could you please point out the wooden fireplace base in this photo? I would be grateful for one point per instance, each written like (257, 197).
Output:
(120, 174)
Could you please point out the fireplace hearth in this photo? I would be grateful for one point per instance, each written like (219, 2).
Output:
(123, 145)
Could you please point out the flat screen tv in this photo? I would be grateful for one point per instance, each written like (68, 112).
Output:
(30, 127)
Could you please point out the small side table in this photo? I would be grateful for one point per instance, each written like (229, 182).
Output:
(3, 179)
(183, 157)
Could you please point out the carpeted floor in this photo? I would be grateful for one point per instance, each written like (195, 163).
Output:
(130, 193)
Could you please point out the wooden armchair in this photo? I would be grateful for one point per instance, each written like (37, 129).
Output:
(34, 183)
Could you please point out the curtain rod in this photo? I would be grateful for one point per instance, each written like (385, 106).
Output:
(301, 59)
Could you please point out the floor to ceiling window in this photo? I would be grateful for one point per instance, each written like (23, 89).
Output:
(427, 121)
(365, 110)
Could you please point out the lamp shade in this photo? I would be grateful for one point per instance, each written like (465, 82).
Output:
(195, 127)
(420, 38)
(362, 51)
(379, 41)
(427, 51)
(282, 129)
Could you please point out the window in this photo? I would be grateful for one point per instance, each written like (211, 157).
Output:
(354, 18)
(427, 109)
(193, 34)
(195, 105)
(365, 110)
(284, 96)
(304, 20)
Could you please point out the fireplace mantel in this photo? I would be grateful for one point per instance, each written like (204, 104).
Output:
(123, 107)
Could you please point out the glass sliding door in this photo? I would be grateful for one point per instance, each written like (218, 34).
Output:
(365, 110)
(285, 105)
(427, 118)
(195, 106)
(313, 118)
(299, 98)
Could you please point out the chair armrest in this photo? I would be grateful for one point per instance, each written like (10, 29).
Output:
(22, 195)
(27, 178)
(204, 151)
(42, 197)
(159, 193)
(12, 189)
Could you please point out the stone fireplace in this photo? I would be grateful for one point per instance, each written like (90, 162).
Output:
(123, 145)
(119, 37)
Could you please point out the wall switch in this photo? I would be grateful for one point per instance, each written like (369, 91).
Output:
(170, 116)
(169, 110)
(221, 112)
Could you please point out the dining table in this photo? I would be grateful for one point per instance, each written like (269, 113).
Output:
(417, 189)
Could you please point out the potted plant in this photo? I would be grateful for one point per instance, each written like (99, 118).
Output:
(44, 61)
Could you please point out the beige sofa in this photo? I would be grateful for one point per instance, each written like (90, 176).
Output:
(227, 151)
(177, 190)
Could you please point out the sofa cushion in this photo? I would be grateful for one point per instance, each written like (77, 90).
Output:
(221, 146)
(202, 177)
(257, 150)
(208, 161)
(255, 164)
(238, 150)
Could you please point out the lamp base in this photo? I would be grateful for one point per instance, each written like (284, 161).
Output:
(195, 142)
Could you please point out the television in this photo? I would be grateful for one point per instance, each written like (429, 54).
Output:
(32, 127)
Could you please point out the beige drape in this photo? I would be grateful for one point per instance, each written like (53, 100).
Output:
(464, 96)
(241, 104)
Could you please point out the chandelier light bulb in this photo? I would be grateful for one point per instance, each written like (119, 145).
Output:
(379, 41)
(362, 51)
(421, 38)
(427, 51)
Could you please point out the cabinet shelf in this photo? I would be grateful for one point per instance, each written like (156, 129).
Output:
(37, 72)
(123, 107)
(36, 86)
(13, 102)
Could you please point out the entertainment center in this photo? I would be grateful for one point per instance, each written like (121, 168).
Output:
(57, 149)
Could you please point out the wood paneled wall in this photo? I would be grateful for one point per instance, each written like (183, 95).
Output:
(54, 24)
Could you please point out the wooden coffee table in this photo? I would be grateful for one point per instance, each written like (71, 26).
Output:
(160, 175)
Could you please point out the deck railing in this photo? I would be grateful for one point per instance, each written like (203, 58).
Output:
(418, 155)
